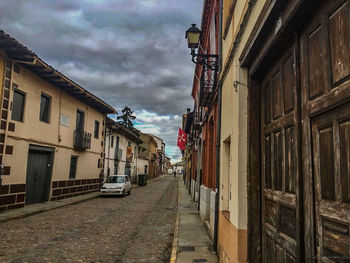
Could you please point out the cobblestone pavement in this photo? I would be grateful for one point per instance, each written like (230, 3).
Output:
(135, 228)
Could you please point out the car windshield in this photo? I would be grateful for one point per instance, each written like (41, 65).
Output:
(115, 179)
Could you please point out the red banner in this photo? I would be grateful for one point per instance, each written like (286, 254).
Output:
(181, 139)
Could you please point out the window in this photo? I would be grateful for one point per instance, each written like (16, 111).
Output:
(112, 141)
(45, 108)
(117, 143)
(16, 68)
(129, 144)
(18, 105)
(116, 169)
(97, 129)
(80, 121)
(99, 163)
(73, 167)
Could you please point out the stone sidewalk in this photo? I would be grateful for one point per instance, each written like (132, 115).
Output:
(191, 241)
(42, 207)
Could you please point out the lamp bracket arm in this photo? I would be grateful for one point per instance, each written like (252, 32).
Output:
(209, 60)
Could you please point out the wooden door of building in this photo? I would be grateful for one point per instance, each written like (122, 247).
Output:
(325, 85)
(280, 161)
(38, 177)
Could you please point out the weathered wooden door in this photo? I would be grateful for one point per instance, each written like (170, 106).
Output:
(280, 162)
(38, 177)
(325, 85)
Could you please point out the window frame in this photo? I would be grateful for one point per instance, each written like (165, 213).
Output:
(15, 89)
(49, 107)
(117, 141)
(70, 167)
(79, 111)
(96, 131)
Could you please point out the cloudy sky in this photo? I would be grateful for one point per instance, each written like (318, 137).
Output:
(128, 52)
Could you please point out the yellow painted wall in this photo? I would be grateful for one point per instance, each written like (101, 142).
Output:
(52, 134)
(234, 129)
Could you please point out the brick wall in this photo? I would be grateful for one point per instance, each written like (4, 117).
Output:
(12, 196)
(70, 188)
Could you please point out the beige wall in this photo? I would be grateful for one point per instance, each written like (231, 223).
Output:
(233, 153)
(110, 152)
(141, 162)
(52, 134)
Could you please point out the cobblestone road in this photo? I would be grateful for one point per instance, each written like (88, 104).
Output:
(136, 228)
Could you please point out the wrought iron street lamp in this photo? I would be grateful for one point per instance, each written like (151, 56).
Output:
(193, 35)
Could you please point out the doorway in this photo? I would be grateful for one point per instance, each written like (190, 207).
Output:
(39, 171)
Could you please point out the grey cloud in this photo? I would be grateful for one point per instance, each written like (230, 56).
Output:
(125, 52)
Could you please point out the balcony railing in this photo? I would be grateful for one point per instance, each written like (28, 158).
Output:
(81, 140)
(207, 86)
(118, 154)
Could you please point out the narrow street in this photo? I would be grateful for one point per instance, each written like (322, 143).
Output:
(136, 228)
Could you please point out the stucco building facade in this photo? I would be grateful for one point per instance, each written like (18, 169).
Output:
(52, 131)
(122, 150)
(148, 151)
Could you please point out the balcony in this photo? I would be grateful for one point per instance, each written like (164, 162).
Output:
(81, 140)
(207, 87)
(118, 154)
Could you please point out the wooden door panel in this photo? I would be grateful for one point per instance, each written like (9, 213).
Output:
(317, 68)
(289, 84)
(339, 43)
(280, 162)
(344, 141)
(325, 89)
(277, 95)
(37, 177)
(325, 59)
(290, 161)
(330, 136)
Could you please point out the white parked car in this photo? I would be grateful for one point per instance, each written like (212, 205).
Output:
(116, 185)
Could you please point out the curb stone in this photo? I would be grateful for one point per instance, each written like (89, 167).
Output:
(176, 231)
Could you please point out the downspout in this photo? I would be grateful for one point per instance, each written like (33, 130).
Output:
(59, 139)
(104, 149)
(109, 146)
(218, 138)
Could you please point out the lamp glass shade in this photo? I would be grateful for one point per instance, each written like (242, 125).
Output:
(193, 36)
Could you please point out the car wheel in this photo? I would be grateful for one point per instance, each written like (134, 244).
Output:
(129, 191)
(123, 194)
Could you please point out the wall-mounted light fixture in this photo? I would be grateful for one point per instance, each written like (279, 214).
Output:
(193, 35)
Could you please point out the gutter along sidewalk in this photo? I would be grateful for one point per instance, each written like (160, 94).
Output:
(191, 241)
(29, 210)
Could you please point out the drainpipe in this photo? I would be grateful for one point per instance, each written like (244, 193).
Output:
(109, 147)
(218, 139)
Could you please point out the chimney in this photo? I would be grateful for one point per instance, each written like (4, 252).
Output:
(188, 110)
